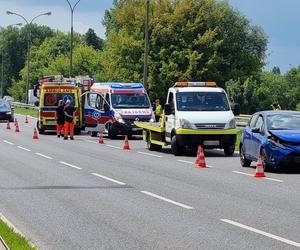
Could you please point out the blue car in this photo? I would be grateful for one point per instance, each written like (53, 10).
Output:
(275, 135)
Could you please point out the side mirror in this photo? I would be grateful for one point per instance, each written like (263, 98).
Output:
(168, 109)
(236, 109)
(36, 103)
(255, 130)
(106, 107)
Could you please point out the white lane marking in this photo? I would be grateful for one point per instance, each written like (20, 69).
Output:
(69, 165)
(167, 200)
(29, 126)
(143, 153)
(267, 178)
(193, 163)
(91, 141)
(45, 156)
(275, 237)
(8, 142)
(25, 149)
(109, 179)
(111, 146)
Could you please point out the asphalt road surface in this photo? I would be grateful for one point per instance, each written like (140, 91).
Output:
(83, 195)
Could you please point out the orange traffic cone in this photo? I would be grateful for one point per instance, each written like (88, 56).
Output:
(26, 119)
(15, 122)
(260, 172)
(8, 125)
(17, 127)
(200, 162)
(101, 138)
(35, 135)
(198, 155)
(126, 144)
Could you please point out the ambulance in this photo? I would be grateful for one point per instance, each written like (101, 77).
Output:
(92, 111)
(129, 102)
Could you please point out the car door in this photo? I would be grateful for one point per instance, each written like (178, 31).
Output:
(170, 119)
(96, 112)
(257, 137)
(247, 137)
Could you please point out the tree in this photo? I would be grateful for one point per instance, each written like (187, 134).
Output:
(189, 40)
(276, 70)
(91, 39)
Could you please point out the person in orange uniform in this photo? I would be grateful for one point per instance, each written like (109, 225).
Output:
(60, 118)
(69, 120)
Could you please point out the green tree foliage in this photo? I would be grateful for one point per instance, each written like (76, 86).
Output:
(91, 39)
(189, 40)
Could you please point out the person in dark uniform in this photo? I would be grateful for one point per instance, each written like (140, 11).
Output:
(60, 118)
(69, 120)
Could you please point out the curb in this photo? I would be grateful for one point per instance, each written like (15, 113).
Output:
(3, 244)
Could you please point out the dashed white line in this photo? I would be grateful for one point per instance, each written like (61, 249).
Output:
(70, 165)
(275, 237)
(189, 162)
(25, 149)
(143, 153)
(111, 146)
(45, 156)
(167, 200)
(91, 141)
(8, 142)
(109, 179)
(266, 178)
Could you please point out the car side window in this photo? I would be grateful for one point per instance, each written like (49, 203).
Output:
(253, 121)
(259, 123)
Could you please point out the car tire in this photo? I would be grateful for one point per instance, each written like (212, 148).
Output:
(175, 148)
(229, 150)
(11, 119)
(151, 146)
(263, 155)
(40, 129)
(110, 132)
(94, 134)
(244, 161)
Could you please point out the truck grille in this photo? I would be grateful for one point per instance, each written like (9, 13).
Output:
(210, 125)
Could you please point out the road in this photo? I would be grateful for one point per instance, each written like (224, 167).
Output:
(83, 195)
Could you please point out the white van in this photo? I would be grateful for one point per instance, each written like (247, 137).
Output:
(129, 102)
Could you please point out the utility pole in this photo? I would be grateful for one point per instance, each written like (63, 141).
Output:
(146, 50)
(72, 8)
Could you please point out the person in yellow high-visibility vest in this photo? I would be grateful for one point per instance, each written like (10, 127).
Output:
(158, 110)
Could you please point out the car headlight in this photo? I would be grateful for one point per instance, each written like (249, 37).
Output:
(231, 124)
(186, 124)
(8, 113)
(275, 143)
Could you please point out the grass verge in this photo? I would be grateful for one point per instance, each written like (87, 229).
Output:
(13, 240)
(25, 111)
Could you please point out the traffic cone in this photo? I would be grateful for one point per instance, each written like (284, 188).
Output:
(35, 134)
(260, 172)
(101, 138)
(26, 119)
(8, 125)
(200, 162)
(15, 122)
(198, 154)
(17, 127)
(126, 144)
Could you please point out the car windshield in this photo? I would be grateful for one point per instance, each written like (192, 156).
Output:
(202, 101)
(130, 100)
(283, 122)
(3, 104)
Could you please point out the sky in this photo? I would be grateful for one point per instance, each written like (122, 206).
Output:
(279, 19)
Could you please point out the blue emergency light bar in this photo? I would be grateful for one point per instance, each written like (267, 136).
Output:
(127, 86)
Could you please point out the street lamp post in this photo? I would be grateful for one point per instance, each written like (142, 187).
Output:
(72, 8)
(28, 44)
(146, 44)
(2, 60)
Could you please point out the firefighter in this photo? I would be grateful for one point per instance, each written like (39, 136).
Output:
(158, 110)
(69, 120)
(60, 118)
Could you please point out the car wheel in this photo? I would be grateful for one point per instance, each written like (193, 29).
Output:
(110, 132)
(229, 150)
(264, 159)
(40, 129)
(244, 161)
(11, 119)
(94, 134)
(151, 146)
(175, 148)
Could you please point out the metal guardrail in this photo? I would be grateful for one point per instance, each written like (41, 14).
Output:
(23, 105)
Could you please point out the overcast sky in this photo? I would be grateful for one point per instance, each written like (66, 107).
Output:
(279, 19)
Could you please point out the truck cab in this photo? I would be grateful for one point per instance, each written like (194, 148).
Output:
(198, 113)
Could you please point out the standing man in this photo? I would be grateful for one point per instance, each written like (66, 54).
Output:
(69, 121)
(60, 118)
(158, 110)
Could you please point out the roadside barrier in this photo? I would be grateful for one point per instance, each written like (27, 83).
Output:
(126, 143)
(7, 125)
(200, 162)
(35, 134)
(100, 141)
(259, 172)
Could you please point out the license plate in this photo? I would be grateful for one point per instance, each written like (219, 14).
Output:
(211, 143)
